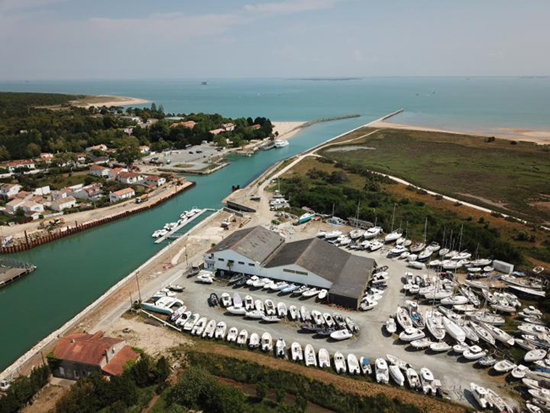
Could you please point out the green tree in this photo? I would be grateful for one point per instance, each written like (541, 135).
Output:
(162, 369)
(261, 390)
(128, 151)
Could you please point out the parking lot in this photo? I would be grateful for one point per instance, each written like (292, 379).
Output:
(454, 372)
(193, 158)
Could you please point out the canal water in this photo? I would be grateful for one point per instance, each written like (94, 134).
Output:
(74, 271)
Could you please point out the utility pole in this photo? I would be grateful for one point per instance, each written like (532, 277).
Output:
(137, 282)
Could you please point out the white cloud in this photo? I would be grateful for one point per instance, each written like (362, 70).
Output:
(290, 6)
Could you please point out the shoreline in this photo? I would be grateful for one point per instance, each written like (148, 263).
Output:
(108, 101)
(287, 129)
(539, 137)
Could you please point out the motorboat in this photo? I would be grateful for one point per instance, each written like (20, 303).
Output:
(225, 300)
(351, 325)
(329, 320)
(435, 325)
(213, 300)
(366, 367)
(416, 316)
(381, 371)
(422, 343)
(310, 293)
(535, 355)
(221, 328)
(280, 348)
(322, 294)
(300, 290)
(293, 313)
(289, 289)
(236, 310)
(443, 252)
(487, 318)
(504, 366)
(540, 394)
(176, 288)
(271, 319)
(177, 314)
(254, 341)
(270, 308)
(199, 327)
(417, 265)
(397, 251)
(411, 334)
(403, 365)
(282, 310)
(183, 318)
(498, 403)
(242, 337)
(393, 236)
(427, 381)
(255, 314)
(353, 364)
(232, 335)
(532, 311)
(278, 286)
(460, 348)
(267, 342)
(403, 318)
(324, 359)
(480, 394)
(235, 278)
(482, 333)
(454, 330)
(533, 329)
(339, 362)
(397, 375)
(209, 329)
(465, 308)
(339, 321)
(454, 300)
(470, 295)
(296, 352)
(368, 304)
(248, 303)
(391, 327)
(487, 361)
(520, 371)
(524, 344)
(372, 232)
(375, 246)
(470, 333)
(250, 282)
(205, 277)
(440, 347)
(340, 335)
(190, 323)
(498, 334)
(474, 353)
(413, 378)
(417, 247)
(333, 234)
(305, 314)
(312, 327)
(309, 356)
(532, 408)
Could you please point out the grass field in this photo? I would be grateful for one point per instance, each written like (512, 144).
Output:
(502, 175)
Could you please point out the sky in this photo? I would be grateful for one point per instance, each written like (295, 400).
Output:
(134, 39)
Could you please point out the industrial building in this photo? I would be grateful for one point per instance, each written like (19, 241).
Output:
(264, 253)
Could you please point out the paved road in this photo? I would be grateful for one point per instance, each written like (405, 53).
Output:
(372, 341)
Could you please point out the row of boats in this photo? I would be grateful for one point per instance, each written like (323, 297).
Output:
(185, 217)
(325, 324)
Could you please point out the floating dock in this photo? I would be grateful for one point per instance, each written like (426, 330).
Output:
(176, 229)
(12, 270)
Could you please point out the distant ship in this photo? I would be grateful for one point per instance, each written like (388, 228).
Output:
(204, 83)
(279, 143)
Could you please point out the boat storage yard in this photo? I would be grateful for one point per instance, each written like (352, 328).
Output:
(363, 305)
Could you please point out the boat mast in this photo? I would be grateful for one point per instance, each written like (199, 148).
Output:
(426, 230)
(393, 217)
(460, 238)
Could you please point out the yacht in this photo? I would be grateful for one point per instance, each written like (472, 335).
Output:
(412, 378)
(280, 143)
(480, 394)
(427, 380)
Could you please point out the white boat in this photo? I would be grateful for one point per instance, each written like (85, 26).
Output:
(356, 233)
(487, 318)
(393, 236)
(294, 313)
(221, 328)
(403, 365)
(296, 352)
(480, 394)
(280, 348)
(375, 245)
(504, 366)
(209, 329)
(255, 314)
(411, 334)
(482, 333)
(422, 343)
(498, 334)
(324, 359)
(250, 282)
(267, 342)
(339, 362)
(329, 320)
(236, 310)
(535, 355)
(188, 326)
(289, 289)
(353, 364)
(205, 277)
(305, 315)
(403, 318)
(309, 356)
(271, 319)
(282, 311)
(435, 325)
(254, 341)
(391, 327)
(397, 375)
(199, 327)
(454, 300)
(317, 318)
(183, 318)
(333, 234)
(381, 371)
(270, 308)
(534, 329)
(322, 294)
(412, 378)
(540, 394)
(435, 294)
(366, 368)
(440, 347)
(280, 143)
(372, 232)
(310, 293)
(470, 333)
(341, 335)
(225, 300)
(520, 372)
(242, 338)
(232, 335)
(454, 330)
(498, 403)
(417, 265)
(427, 380)
(248, 303)
(474, 353)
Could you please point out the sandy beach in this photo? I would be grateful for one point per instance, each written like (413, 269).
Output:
(287, 130)
(108, 100)
(540, 137)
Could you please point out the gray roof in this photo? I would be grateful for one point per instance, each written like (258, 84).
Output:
(256, 243)
(348, 273)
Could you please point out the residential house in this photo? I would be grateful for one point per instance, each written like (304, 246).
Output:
(129, 178)
(24, 195)
(190, 124)
(144, 149)
(256, 127)
(81, 157)
(63, 203)
(44, 190)
(62, 193)
(99, 160)
(13, 206)
(121, 195)
(90, 192)
(20, 164)
(216, 131)
(99, 147)
(130, 118)
(113, 173)
(46, 157)
(229, 126)
(100, 171)
(155, 180)
(128, 131)
(81, 354)
(9, 191)
(32, 209)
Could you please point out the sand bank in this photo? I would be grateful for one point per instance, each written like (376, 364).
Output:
(108, 100)
(287, 130)
(540, 137)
